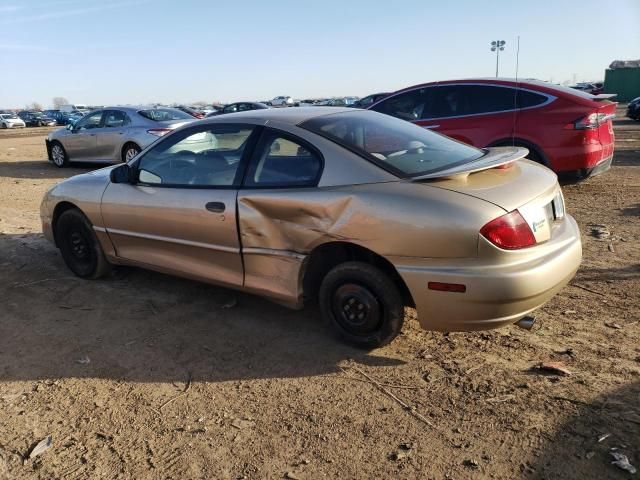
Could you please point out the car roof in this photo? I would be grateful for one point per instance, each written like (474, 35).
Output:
(531, 83)
(134, 108)
(290, 115)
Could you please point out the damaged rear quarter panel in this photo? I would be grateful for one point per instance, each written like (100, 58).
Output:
(279, 228)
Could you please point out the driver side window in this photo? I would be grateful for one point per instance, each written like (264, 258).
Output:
(90, 121)
(205, 157)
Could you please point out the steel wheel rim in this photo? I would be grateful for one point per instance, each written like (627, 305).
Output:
(356, 309)
(57, 154)
(130, 153)
(79, 246)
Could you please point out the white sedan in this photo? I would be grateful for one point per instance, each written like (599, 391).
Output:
(282, 101)
(10, 120)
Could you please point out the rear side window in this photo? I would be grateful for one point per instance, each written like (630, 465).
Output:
(457, 100)
(460, 100)
(115, 118)
(283, 161)
(164, 114)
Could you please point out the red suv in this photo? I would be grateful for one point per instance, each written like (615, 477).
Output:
(567, 130)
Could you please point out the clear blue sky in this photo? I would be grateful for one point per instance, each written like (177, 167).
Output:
(140, 51)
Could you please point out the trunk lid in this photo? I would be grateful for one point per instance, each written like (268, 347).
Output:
(523, 185)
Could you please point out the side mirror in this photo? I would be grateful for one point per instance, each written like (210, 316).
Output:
(69, 126)
(122, 174)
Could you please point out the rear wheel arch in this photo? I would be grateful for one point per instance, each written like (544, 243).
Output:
(325, 257)
(536, 152)
(128, 144)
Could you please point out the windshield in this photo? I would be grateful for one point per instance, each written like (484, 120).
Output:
(398, 146)
(7, 115)
(164, 114)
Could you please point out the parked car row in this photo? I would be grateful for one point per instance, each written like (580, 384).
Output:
(568, 130)
(36, 118)
(595, 88)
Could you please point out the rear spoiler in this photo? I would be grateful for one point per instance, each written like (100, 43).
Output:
(494, 157)
(603, 96)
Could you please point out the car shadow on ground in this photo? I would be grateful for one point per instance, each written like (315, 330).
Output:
(143, 326)
(627, 158)
(632, 210)
(582, 447)
(587, 274)
(44, 169)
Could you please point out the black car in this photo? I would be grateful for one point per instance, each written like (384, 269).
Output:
(633, 109)
(61, 118)
(369, 100)
(239, 107)
(36, 119)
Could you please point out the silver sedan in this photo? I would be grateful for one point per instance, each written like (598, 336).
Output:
(112, 134)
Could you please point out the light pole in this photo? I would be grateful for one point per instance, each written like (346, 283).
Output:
(497, 46)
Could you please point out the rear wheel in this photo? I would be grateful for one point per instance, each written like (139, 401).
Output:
(129, 151)
(362, 304)
(58, 155)
(79, 246)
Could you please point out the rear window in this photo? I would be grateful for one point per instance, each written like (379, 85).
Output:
(164, 114)
(400, 147)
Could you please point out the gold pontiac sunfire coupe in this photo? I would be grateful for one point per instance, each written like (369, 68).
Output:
(362, 212)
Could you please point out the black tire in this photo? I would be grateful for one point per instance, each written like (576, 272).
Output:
(128, 149)
(79, 246)
(4, 125)
(362, 304)
(59, 155)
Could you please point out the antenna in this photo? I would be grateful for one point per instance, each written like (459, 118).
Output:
(515, 96)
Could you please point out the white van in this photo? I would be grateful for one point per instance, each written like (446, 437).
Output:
(78, 107)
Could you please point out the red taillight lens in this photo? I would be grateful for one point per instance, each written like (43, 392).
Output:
(158, 132)
(510, 231)
(591, 121)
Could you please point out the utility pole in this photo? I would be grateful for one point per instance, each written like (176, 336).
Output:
(497, 46)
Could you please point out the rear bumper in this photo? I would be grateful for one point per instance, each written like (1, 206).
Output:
(570, 159)
(601, 167)
(498, 291)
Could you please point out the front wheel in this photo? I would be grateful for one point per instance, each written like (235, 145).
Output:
(362, 304)
(79, 246)
(58, 155)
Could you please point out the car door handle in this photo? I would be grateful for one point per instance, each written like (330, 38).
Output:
(216, 207)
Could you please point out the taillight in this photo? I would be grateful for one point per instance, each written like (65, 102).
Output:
(158, 132)
(510, 231)
(591, 121)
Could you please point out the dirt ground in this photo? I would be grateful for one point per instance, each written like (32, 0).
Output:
(144, 375)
